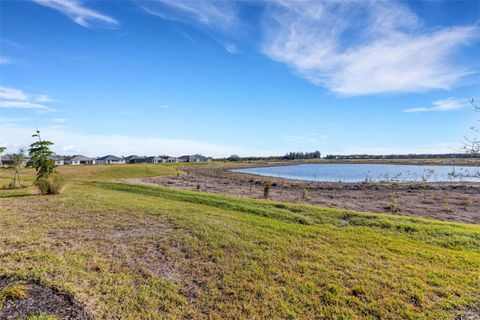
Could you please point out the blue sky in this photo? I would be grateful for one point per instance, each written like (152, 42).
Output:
(244, 77)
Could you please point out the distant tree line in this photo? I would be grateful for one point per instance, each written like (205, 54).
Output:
(288, 156)
(318, 155)
(403, 156)
(302, 155)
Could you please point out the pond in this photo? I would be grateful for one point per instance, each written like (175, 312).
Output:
(369, 172)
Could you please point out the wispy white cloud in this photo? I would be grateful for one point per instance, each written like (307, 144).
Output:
(23, 105)
(448, 104)
(12, 94)
(163, 106)
(78, 13)
(217, 14)
(363, 47)
(4, 60)
(67, 141)
(15, 98)
(43, 98)
(230, 47)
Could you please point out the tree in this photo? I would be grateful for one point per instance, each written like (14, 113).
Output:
(48, 181)
(17, 165)
(233, 157)
(2, 150)
(472, 145)
(40, 157)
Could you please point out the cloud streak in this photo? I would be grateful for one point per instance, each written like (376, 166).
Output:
(78, 13)
(217, 14)
(448, 104)
(97, 144)
(4, 60)
(349, 47)
(361, 48)
(14, 98)
(24, 105)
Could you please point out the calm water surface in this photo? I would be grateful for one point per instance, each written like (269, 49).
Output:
(368, 172)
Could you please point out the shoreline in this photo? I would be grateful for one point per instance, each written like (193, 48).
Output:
(446, 201)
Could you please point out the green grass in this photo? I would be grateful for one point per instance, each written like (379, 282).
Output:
(139, 252)
(42, 317)
(13, 292)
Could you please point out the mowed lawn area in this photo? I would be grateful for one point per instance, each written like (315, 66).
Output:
(129, 251)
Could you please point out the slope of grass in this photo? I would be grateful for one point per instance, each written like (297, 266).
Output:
(140, 252)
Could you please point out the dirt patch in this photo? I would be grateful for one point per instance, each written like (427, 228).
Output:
(39, 300)
(453, 202)
(148, 248)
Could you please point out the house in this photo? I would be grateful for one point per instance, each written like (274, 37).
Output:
(133, 159)
(110, 160)
(78, 159)
(59, 161)
(194, 158)
(167, 159)
(7, 160)
(153, 159)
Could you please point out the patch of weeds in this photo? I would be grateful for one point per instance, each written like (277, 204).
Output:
(266, 190)
(394, 203)
(13, 292)
(305, 194)
(446, 206)
(417, 299)
(43, 317)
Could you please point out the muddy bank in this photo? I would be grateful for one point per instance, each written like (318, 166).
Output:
(458, 202)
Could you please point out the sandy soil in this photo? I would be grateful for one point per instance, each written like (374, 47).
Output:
(459, 202)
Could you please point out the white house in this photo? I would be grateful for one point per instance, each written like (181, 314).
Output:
(58, 160)
(78, 159)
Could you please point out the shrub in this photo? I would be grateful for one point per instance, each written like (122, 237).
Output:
(446, 206)
(53, 184)
(305, 194)
(11, 186)
(266, 190)
(394, 203)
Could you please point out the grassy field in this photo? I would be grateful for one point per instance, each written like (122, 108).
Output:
(139, 252)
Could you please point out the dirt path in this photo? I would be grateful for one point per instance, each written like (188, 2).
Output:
(443, 201)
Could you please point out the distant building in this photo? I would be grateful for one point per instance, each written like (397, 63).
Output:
(168, 159)
(150, 159)
(59, 161)
(78, 159)
(7, 159)
(133, 159)
(110, 160)
(194, 158)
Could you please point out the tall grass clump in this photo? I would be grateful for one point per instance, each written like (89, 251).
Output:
(394, 203)
(305, 194)
(13, 292)
(266, 190)
(446, 205)
(53, 184)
